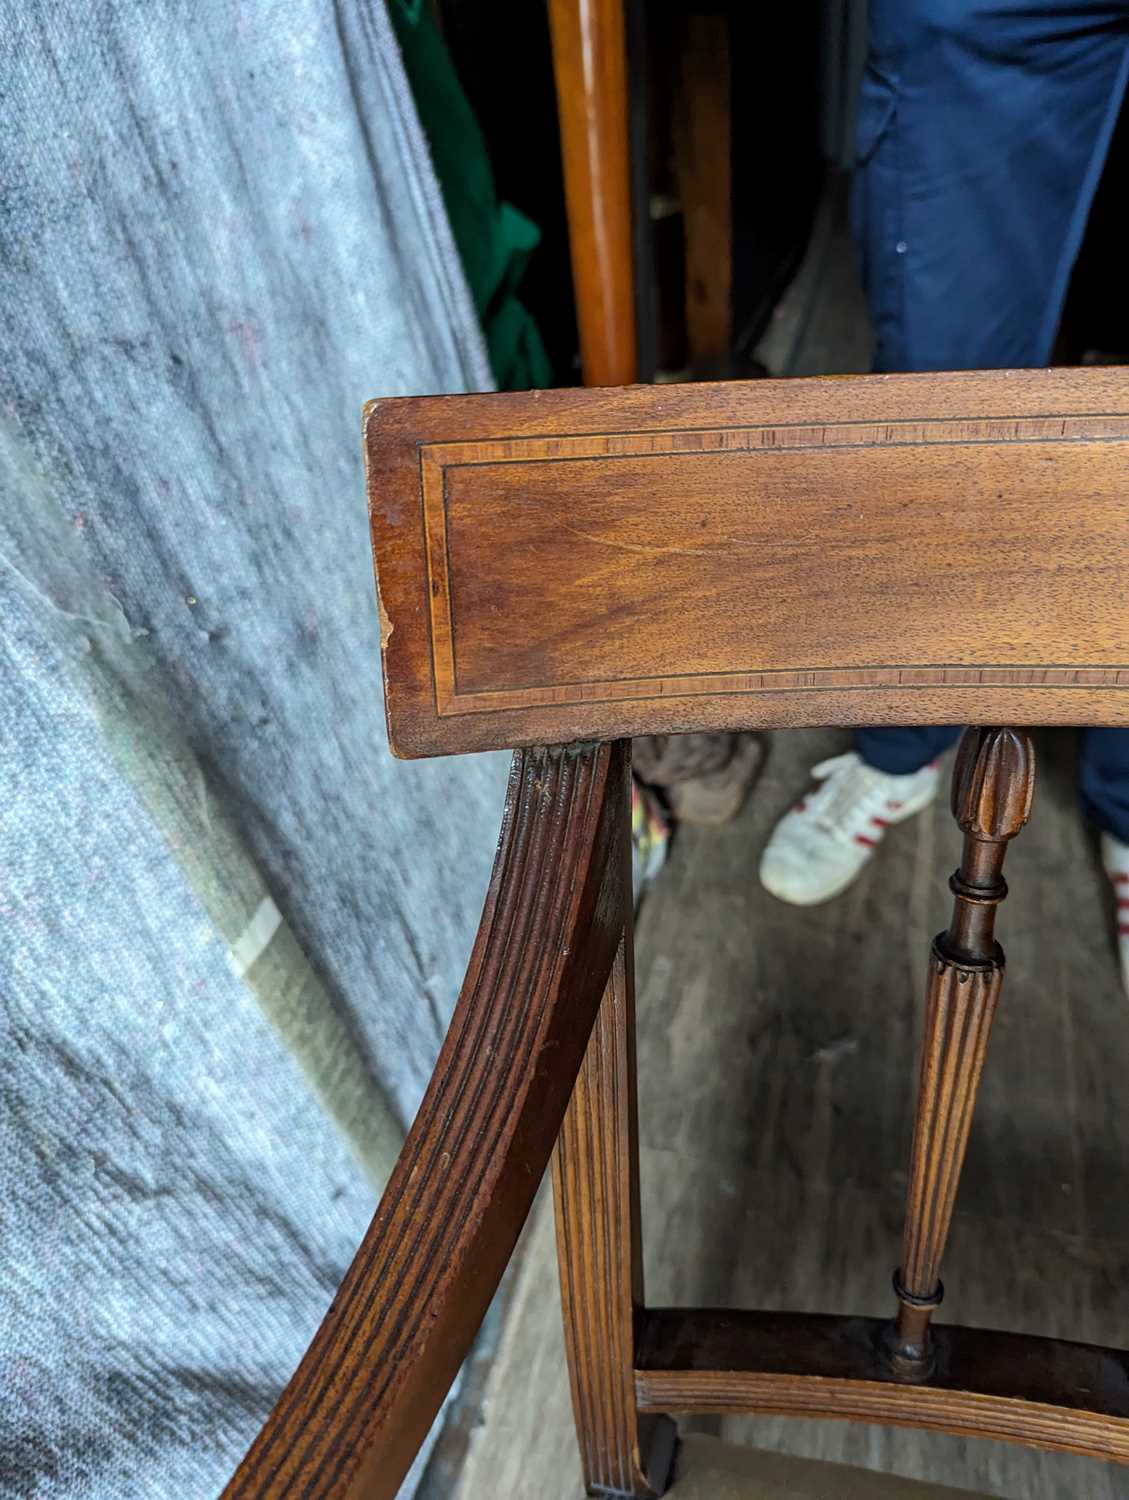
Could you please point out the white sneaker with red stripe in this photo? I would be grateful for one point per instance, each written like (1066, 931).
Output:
(822, 843)
(1115, 858)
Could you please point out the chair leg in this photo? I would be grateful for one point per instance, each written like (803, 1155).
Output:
(596, 1194)
(993, 782)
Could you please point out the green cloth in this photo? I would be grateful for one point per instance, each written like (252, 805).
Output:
(494, 239)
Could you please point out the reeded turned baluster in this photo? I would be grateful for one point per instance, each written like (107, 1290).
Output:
(993, 782)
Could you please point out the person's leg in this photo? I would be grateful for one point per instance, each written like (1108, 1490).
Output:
(899, 752)
(1104, 785)
(1104, 780)
(983, 127)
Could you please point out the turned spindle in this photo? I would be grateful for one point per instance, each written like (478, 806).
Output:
(993, 782)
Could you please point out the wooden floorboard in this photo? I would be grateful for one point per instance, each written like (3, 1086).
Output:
(712, 1470)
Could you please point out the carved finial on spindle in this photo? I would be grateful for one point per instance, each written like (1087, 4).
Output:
(993, 782)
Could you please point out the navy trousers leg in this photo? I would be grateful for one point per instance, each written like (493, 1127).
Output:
(902, 751)
(1104, 780)
(983, 129)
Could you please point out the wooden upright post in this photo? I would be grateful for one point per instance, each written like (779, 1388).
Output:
(596, 1195)
(590, 64)
(993, 783)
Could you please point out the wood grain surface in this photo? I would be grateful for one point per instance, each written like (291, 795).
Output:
(367, 1389)
(590, 66)
(596, 1195)
(704, 180)
(992, 791)
(867, 550)
(1047, 1393)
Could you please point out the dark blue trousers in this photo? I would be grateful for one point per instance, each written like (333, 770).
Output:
(983, 129)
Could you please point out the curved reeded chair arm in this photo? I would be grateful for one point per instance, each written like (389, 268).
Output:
(366, 1391)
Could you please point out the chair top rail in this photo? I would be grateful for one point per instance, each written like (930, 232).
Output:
(899, 549)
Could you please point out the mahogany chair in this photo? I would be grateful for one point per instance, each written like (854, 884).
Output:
(561, 571)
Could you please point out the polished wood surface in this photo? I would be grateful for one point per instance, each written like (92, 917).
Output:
(590, 66)
(870, 550)
(361, 1401)
(1047, 1393)
(596, 1196)
(993, 786)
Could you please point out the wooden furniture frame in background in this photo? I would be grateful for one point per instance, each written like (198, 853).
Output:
(560, 571)
(590, 65)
